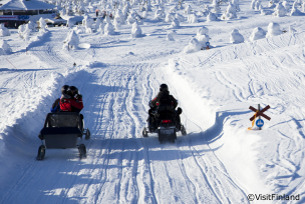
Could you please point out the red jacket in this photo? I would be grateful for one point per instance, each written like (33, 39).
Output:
(71, 105)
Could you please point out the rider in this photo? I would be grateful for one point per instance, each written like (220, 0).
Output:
(166, 103)
(56, 105)
(71, 100)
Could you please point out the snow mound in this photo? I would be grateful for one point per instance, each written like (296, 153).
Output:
(84, 45)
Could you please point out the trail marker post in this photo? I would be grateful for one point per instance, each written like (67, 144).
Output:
(259, 113)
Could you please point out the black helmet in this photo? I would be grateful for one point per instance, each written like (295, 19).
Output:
(73, 89)
(64, 89)
(163, 87)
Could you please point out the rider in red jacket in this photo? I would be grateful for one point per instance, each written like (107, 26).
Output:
(71, 101)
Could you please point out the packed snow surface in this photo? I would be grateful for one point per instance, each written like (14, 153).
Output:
(119, 69)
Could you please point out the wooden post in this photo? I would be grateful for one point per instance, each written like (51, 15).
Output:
(259, 117)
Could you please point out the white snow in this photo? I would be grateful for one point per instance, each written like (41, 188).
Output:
(218, 161)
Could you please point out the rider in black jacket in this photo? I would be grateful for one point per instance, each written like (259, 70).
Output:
(163, 104)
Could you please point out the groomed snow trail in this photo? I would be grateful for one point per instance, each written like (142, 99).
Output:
(121, 166)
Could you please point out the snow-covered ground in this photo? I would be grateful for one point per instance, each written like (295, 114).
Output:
(218, 161)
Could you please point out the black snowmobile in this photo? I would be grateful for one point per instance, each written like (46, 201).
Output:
(165, 124)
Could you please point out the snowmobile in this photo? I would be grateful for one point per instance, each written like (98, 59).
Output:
(62, 130)
(166, 127)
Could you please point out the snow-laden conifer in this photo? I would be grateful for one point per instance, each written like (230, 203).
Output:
(257, 33)
(295, 11)
(193, 46)
(171, 36)
(109, 29)
(4, 31)
(203, 37)
(274, 29)
(215, 7)
(236, 37)
(175, 24)
(280, 10)
(72, 41)
(192, 18)
(5, 48)
(136, 31)
(230, 12)
(212, 17)
(287, 5)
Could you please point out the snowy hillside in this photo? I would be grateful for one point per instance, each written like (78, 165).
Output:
(218, 58)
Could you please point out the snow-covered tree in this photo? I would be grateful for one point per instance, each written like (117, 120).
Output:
(253, 2)
(31, 26)
(295, 11)
(147, 5)
(4, 31)
(119, 17)
(98, 22)
(258, 6)
(203, 37)
(169, 17)
(257, 33)
(230, 13)
(175, 24)
(109, 29)
(179, 17)
(87, 21)
(42, 24)
(236, 37)
(159, 14)
(171, 36)
(5, 48)
(216, 7)
(212, 17)
(188, 9)
(192, 18)
(273, 30)
(280, 10)
(286, 5)
(235, 3)
(136, 31)
(72, 41)
(193, 46)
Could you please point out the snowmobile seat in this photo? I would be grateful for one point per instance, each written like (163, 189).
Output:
(61, 130)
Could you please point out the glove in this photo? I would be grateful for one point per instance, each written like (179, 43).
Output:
(78, 96)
